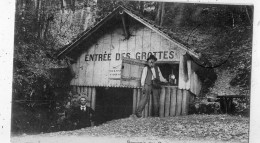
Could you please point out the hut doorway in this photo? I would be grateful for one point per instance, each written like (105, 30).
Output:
(169, 69)
(113, 103)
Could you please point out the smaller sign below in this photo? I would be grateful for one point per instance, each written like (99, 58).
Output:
(115, 72)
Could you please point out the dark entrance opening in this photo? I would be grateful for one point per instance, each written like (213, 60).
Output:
(113, 103)
(169, 69)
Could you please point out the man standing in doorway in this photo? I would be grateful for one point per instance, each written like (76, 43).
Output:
(149, 75)
(82, 115)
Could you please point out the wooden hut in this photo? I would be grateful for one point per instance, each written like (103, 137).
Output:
(109, 58)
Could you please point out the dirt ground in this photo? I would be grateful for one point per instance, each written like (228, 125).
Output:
(181, 129)
(107, 139)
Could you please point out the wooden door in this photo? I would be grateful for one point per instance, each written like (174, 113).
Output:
(131, 72)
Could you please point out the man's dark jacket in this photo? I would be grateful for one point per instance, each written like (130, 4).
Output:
(81, 117)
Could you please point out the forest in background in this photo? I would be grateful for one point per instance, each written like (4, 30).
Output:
(221, 33)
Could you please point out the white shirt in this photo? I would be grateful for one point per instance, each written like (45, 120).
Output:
(144, 73)
(83, 107)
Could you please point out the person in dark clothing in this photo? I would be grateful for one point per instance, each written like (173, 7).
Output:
(82, 115)
(150, 73)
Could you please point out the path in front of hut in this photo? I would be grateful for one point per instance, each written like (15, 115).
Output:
(106, 139)
(179, 129)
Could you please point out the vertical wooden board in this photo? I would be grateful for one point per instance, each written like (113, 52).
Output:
(82, 69)
(134, 100)
(115, 48)
(89, 95)
(115, 65)
(90, 68)
(77, 71)
(78, 89)
(181, 74)
(138, 96)
(126, 70)
(106, 63)
(134, 75)
(167, 101)
(117, 35)
(179, 102)
(123, 47)
(192, 82)
(93, 100)
(139, 43)
(86, 90)
(131, 43)
(146, 41)
(178, 51)
(81, 89)
(73, 82)
(165, 47)
(185, 102)
(74, 89)
(156, 44)
(150, 106)
(107, 38)
(105, 46)
(162, 102)
(146, 109)
(125, 74)
(98, 65)
(173, 101)
(197, 84)
(188, 82)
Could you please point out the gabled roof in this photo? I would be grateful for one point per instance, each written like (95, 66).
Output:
(87, 33)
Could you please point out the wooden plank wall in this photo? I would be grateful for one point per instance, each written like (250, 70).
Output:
(136, 99)
(173, 102)
(195, 85)
(188, 81)
(143, 39)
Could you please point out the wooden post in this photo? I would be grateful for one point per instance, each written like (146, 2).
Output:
(124, 25)
(138, 97)
(134, 100)
(93, 100)
(81, 89)
(179, 101)
(85, 89)
(173, 102)
(185, 102)
(162, 101)
(74, 89)
(78, 89)
(146, 111)
(150, 106)
(167, 101)
(89, 95)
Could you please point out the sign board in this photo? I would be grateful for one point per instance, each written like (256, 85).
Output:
(115, 72)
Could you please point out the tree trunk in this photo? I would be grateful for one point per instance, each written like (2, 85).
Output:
(46, 27)
(160, 14)
(142, 7)
(73, 5)
(39, 17)
(61, 6)
(36, 22)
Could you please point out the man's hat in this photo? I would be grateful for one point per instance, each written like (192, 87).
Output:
(152, 57)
